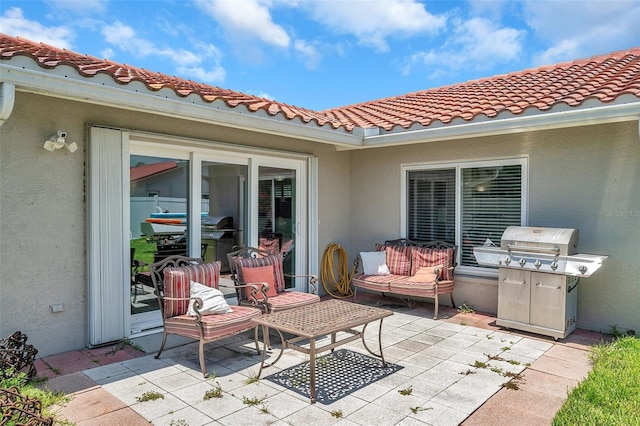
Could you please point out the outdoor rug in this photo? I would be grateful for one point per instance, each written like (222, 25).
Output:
(338, 374)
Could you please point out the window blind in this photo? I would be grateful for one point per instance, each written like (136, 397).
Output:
(491, 201)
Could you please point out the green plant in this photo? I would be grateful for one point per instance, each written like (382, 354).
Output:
(149, 396)
(617, 334)
(253, 378)
(253, 401)
(406, 391)
(415, 410)
(466, 309)
(34, 389)
(480, 364)
(213, 393)
(336, 413)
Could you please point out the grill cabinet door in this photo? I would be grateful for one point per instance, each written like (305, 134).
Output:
(548, 300)
(514, 295)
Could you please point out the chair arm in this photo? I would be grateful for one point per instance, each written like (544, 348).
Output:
(252, 293)
(357, 264)
(313, 281)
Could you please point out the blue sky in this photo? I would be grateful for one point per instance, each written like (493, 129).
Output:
(329, 53)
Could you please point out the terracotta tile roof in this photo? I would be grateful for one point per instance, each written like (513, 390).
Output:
(88, 66)
(147, 170)
(603, 78)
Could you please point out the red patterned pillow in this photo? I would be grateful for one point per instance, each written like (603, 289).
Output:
(177, 283)
(398, 258)
(275, 260)
(422, 256)
(260, 274)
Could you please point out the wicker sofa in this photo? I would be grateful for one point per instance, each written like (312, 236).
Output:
(411, 269)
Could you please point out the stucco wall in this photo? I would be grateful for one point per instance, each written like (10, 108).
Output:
(586, 178)
(43, 210)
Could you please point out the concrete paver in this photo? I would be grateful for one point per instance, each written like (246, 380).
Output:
(441, 361)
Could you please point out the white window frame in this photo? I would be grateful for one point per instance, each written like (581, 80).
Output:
(459, 166)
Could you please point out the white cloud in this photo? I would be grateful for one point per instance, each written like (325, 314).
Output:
(15, 24)
(246, 20)
(80, 7)
(576, 29)
(373, 22)
(476, 43)
(309, 53)
(190, 64)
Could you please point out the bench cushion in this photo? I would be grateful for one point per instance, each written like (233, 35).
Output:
(404, 285)
(398, 258)
(422, 256)
(372, 282)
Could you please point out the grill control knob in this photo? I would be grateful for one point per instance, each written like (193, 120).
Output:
(554, 265)
(522, 261)
(507, 260)
(537, 263)
(582, 269)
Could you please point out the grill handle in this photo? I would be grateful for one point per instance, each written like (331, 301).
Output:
(555, 250)
(540, 285)
(508, 281)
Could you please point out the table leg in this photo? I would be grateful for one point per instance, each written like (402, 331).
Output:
(312, 370)
(264, 345)
(380, 355)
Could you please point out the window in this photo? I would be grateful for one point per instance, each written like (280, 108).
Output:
(464, 204)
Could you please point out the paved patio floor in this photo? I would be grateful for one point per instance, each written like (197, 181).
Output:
(454, 371)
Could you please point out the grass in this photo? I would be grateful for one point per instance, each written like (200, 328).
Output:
(610, 395)
(36, 389)
(145, 251)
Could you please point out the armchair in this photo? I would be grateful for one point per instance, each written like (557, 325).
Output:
(172, 278)
(250, 265)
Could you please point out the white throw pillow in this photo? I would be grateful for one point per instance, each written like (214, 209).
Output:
(374, 263)
(212, 300)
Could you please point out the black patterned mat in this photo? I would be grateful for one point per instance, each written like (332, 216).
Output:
(338, 374)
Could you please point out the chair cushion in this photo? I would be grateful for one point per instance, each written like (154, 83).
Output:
(213, 301)
(405, 285)
(177, 283)
(213, 326)
(422, 256)
(260, 274)
(374, 263)
(291, 299)
(275, 260)
(398, 258)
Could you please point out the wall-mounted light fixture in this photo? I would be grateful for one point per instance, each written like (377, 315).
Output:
(59, 141)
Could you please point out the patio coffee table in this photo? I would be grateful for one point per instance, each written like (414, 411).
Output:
(308, 323)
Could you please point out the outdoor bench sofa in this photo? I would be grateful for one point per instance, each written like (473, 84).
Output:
(407, 268)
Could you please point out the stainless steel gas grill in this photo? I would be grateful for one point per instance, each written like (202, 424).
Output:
(539, 271)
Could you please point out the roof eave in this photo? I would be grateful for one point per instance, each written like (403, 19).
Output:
(78, 89)
(587, 115)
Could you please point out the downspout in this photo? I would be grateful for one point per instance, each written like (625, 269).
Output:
(7, 98)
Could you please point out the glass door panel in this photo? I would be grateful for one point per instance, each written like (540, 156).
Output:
(277, 219)
(159, 203)
(223, 199)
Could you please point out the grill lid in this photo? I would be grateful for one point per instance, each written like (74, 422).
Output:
(540, 240)
(551, 250)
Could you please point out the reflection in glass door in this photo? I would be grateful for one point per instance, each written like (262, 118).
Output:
(223, 188)
(159, 204)
(277, 220)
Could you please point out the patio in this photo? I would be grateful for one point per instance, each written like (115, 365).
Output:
(449, 371)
